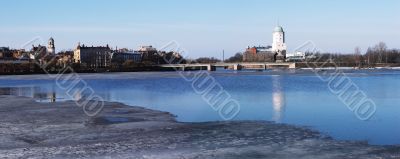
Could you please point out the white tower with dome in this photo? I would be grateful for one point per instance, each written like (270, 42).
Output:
(278, 44)
(278, 40)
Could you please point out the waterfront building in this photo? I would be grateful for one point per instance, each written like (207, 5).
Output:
(38, 52)
(296, 57)
(12, 54)
(147, 49)
(274, 53)
(5, 53)
(92, 57)
(20, 54)
(259, 54)
(149, 54)
(65, 58)
(122, 55)
(42, 53)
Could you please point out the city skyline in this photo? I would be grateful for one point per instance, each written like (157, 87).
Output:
(202, 28)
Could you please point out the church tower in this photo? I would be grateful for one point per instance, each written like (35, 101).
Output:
(50, 47)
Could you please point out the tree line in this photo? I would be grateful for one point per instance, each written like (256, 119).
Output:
(376, 56)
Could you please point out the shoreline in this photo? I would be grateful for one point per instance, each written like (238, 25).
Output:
(62, 130)
(171, 70)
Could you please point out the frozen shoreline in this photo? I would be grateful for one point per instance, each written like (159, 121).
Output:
(61, 130)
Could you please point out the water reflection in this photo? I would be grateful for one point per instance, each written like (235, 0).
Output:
(39, 94)
(300, 99)
(278, 100)
(45, 97)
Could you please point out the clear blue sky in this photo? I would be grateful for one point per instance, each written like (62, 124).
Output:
(203, 27)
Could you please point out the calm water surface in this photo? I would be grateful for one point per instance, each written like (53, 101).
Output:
(293, 97)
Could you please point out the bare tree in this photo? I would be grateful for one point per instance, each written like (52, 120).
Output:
(380, 48)
(357, 57)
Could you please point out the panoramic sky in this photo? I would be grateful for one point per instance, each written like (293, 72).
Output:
(202, 27)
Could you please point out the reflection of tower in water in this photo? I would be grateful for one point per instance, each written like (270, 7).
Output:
(38, 93)
(278, 99)
(52, 97)
(45, 94)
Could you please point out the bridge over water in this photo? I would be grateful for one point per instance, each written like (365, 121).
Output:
(234, 66)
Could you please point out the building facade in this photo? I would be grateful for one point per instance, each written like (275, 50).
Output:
(259, 54)
(65, 58)
(38, 52)
(5, 53)
(149, 54)
(122, 55)
(296, 57)
(93, 57)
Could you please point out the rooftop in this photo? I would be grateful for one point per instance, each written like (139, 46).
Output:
(278, 29)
